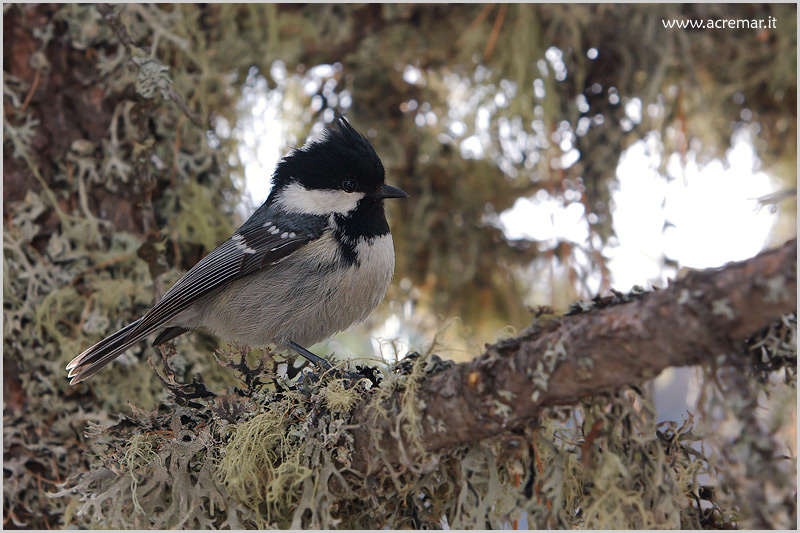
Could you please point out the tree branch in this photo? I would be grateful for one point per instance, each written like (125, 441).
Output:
(704, 317)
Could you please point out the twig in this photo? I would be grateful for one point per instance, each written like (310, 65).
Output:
(34, 85)
(481, 16)
(498, 24)
(112, 19)
(586, 447)
(181, 103)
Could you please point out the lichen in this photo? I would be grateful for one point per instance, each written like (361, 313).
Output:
(137, 454)
(261, 464)
(339, 397)
(540, 374)
(722, 307)
(69, 277)
(278, 454)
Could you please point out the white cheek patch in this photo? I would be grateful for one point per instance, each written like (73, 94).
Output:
(297, 199)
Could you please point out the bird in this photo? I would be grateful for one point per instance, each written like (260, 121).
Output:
(316, 258)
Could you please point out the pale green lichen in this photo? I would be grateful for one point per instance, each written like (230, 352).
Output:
(776, 290)
(68, 280)
(545, 365)
(340, 397)
(611, 501)
(585, 367)
(139, 452)
(281, 458)
(152, 77)
(506, 395)
(722, 307)
(20, 136)
(684, 297)
(261, 465)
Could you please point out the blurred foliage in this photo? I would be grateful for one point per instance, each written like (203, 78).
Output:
(110, 191)
(516, 80)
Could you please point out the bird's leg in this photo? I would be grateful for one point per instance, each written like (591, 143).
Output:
(321, 363)
(324, 366)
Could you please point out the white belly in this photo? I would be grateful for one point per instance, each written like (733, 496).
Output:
(306, 298)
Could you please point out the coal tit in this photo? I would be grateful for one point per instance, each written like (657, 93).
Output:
(316, 258)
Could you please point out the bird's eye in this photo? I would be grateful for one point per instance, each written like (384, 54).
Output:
(349, 186)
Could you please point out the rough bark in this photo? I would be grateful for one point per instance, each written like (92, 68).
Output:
(71, 102)
(702, 318)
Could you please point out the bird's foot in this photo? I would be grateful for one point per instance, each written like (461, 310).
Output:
(321, 364)
(325, 370)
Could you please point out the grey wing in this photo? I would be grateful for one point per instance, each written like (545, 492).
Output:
(248, 250)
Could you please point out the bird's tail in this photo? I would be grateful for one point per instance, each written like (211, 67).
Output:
(90, 361)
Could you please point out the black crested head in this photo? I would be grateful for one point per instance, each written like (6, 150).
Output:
(341, 158)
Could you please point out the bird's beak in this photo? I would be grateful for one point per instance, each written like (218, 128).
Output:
(387, 191)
